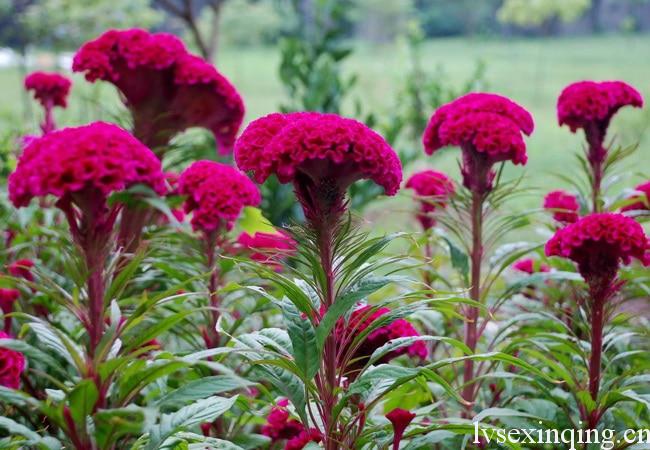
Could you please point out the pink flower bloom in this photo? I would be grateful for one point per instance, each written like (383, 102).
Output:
(362, 318)
(166, 88)
(599, 243)
(305, 437)
(279, 425)
(642, 198)
(50, 89)
(530, 266)
(7, 298)
(321, 154)
(216, 194)
(22, 269)
(487, 127)
(267, 248)
(95, 159)
(563, 205)
(400, 419)
(432, 189)
(12, 364)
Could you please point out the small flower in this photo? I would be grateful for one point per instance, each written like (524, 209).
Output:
(279, 425)
(400, 419)
(22, 269)
(642, 199)
(166, 88)
(96, 159)
(305, 437)
(50, 89)
(12, 364)
(321, 154)
(7, 298)
(432, 189)
(599, 243)
(530, 266)
(563, 205)
(487, 127)
(267, 248)
(216, 194)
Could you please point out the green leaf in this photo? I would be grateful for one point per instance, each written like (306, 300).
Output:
(33, 439)
(253, 221)
(111, 424)
(206, 410)
(306, 352)
(82, 401)
(202, 388)
(459, 260)
(394, 344)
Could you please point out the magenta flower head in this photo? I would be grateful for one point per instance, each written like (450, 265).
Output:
(50, 89)
(166, 88)
(281, 427)
(641, 199)
(599, 243)
(432, 189)
(400, 419)
(563, 205)
(7, 298)
(12, 364)
(487, 127)
(591, 105)
(530, 266)
(321, 154)
(216, 194)
(267, 248)
(22, 268)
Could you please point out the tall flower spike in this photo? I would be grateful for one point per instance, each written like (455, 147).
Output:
(641, 200)
(12, 364)
(216, 194)
(400, 419)
(432, 189)
(563, 205)
(487, 127)
(321, 154)
(590, 106)
(166, 88)
(51, 90)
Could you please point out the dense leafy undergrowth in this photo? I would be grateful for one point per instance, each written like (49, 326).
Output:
(151, 309)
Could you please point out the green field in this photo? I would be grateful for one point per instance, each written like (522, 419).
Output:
(532, 72)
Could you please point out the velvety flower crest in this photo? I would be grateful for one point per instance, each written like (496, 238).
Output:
(599, 243)
(216, 194)
(432, 189)
(642, 198)
(167, 89)
(99, 157)
(321, 147)
(12, 364)
(22, 268)
(530, 266)
(50, 89)
(400, 419)
(563, 205)
(267, 248)
(281, 426)
(7, 298)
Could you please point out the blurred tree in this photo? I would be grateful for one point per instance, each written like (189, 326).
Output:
(542, 13)
(247, 22)
(381, 20)
(458, 17)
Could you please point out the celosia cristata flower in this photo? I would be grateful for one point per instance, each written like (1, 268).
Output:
(22, 268)
(563, 205)
(362, 318)
(321, 154)
(599, 243)
(166, 88)
(432, 189)
(530, 266)
(642, 199)
(487, 127)
(12, 364)
(51, 90)
(280, 426)
(267, 248)
(77, 164)
(400, 419)
(8, 297)
(216, 194)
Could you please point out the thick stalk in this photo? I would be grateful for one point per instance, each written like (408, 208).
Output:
(213, 286)
(595, 359)
(597, 174)
(96, 287)
(471, 324)
(48, 124)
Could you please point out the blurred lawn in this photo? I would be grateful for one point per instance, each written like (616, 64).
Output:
(532, 72)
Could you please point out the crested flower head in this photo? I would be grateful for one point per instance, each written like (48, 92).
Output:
(280, 426)
(50, 89)
(216, 194)
(599, 243)
(585, 103)
(12, 364)
(563, 205)
(100, 158)
(7, 298)
(363, 317)
(166, 88)
(641, 199)
(322, 154)
(400, 419)
(487, 127)
(267, 248)
(22, 268)
(530, 266)
(432, 189)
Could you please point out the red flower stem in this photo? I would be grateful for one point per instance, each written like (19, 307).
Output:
(96, 287)
(213, 286)
(471, 324)
(597, 324)
(48, 124)
(595, 135)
